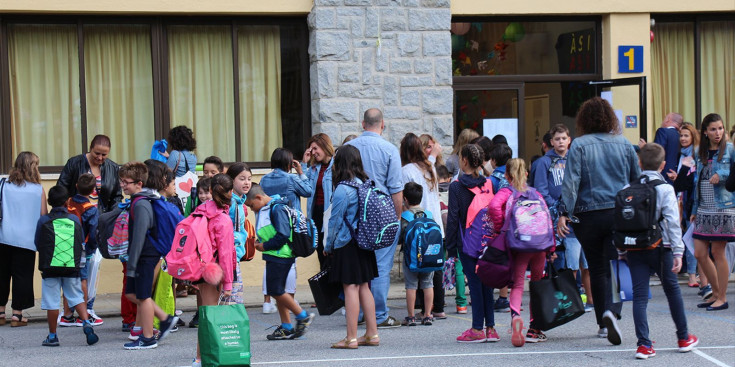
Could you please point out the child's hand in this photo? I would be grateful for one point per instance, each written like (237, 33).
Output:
(561, 227)
(227, 294)
(297, 166)
(672, 175)
(715, 179)
(164, 153)
(677, 265)
(259, 246)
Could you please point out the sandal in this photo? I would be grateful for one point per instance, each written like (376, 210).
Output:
(3, 320)
(345, 344)
(18, 320)
(369, 341)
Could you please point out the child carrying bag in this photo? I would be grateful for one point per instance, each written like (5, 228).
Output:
(224, 335)
(555, 299)
(478, 230)
(423, 245)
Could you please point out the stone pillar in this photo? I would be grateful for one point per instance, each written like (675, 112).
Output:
(391, 54)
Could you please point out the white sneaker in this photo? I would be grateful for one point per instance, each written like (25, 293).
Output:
(343, 311)
(269, 307)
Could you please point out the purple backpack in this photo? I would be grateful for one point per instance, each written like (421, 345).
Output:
(495, 266)
(478, 229)
(529, 222)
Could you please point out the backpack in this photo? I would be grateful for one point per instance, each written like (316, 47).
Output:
(377, 223)
(636, 225)
(502, 181)
(117, 243)
(495, 266)
(105, 229)
(478, 228)
(191, 249)
(303, 232)
(79, 209)
(59, 246)
(244, 245)
(423, 243)
(529, 222)
(166, 217)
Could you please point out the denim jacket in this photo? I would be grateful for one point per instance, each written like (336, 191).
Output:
(598, 166)
(723, 198)
(344, 205)
(287, 185)
(312, 173)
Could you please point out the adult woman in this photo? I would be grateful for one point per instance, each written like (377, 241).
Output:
(351, 266)
(281, 182)
(317, 164)
(464, 138)
(428, 142)
(23, 203)
(713, 209)
(181, 158)
(107, 191)
(599, 163)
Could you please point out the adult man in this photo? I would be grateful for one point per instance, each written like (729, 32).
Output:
(382, 163)
(668, 137)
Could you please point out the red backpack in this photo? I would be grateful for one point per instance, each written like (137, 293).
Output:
(191, 250)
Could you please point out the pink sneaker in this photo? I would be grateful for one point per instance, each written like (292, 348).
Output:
(472, 336)
(492, 335)
(517, 338)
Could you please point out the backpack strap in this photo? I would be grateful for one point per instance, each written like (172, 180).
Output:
(553, 162)
(2, 185)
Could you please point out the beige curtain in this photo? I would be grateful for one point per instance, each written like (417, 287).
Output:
(119, 85)
(672, 71)
(718, 70)
(259, 53)
(201, 87)
(44, 91)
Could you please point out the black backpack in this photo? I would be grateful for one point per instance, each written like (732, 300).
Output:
(60, 246)
(636, 225)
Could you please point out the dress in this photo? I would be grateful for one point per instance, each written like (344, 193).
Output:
(353, 265)
(712, 223)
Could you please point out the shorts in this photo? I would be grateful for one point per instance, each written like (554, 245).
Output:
(142, 284)
(290, 281)
(417, 280)
(84, 271)
(275, 277)
(51, 292)
(573, 256)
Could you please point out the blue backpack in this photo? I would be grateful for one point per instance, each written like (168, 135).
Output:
(167, 216)
(377, 223)
(423, 243)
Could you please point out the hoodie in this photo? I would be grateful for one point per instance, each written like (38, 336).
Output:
(547, 179)
(142, 220)
(223, 243)
(273, 228)
(460, 198)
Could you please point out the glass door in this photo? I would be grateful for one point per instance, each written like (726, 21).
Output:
(628, 98)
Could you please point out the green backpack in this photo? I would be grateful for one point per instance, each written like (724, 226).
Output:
(60, 246)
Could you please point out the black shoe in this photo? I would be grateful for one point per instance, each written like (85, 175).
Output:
(302, 325)
(723, 306)
(180, 322)
(281, 334)
(705, 304)
(49, 342)
(92, 338)
(165, 326)
(194, 320)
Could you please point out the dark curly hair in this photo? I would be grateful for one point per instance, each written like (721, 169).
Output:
(182, 138)
(474, 155)
(596, 115)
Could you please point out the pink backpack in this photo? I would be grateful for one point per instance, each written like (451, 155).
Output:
(191, 250)
(478, 229)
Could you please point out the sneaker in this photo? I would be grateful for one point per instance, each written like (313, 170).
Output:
(589, 307)
(180, 322)
(462, 310)
(194, 320)
(491, 335)
(516, 337)
(409, 321)
(126, 327)
(502, 305)
(281, 334)
(602, 333)
(142, 343)
(389, 323)
(196, 363)
(95, 321)
(89, 333)
(427, 321)
(705, 292)
(51, 342)
(643, 352)
(472, 336)
(178, 313)
(92, 315)
(134, 335)
(611, 323)
(175, 328)
(269, 307)
(302, 325)
(685, 345)
(166, 325)
(70, 321)
(535, 336)
(440, 315)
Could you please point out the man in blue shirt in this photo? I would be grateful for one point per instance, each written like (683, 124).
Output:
(668, 137)
(382, 163)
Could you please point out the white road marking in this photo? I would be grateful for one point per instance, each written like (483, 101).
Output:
(709, 358)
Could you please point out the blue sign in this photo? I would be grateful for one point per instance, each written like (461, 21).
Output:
(631, 121)
(630, 59)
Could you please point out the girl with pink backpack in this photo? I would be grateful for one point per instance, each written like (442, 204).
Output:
(529, 236)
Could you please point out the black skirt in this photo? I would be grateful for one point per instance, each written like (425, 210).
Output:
(353, 265)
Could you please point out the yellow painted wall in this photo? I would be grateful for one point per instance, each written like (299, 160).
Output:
(579, 7)
(183, 7)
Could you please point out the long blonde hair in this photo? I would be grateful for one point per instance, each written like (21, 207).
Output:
(515, 169)
(425, 140)
(464, 138)
(25, 169)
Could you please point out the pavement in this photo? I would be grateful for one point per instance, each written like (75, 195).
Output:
(573, 344)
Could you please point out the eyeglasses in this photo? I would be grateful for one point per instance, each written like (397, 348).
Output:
(126, 183)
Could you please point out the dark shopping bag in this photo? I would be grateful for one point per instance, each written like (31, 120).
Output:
(326, 294)
(224, 335)
(621, 282)
(555, 299)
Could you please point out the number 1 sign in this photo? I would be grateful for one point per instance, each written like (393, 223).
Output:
(630, 59)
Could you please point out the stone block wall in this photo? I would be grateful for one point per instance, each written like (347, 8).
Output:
(390, 54)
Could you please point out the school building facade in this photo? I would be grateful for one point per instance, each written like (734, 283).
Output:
(250, 76)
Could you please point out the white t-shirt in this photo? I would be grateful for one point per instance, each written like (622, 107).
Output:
(430, 199)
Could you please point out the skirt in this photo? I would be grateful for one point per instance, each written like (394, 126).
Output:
(353, 265)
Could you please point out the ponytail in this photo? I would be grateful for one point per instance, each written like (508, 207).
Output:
(221, 189)
(516, 170)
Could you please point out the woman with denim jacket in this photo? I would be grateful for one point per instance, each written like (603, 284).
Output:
(600, 162)
(714, 209)
(317, 165)
(351, 265)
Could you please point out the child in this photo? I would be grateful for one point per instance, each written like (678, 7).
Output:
(460, 295)
(204, 190)
(499, 156)
(142, 258)
(88, 215)
(47, 240)
(273, 228)
(241, 181)
(412, 193)
(516, 176)
(663, 260)
(212, 166)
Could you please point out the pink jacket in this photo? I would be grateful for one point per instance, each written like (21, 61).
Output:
(496, 208)
(223, 240)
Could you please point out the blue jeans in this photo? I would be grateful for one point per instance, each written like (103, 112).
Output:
(659, 260)
(483, 314)
(691, 262)
(381, 284)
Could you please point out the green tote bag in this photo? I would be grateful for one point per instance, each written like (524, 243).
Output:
(224, 335)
